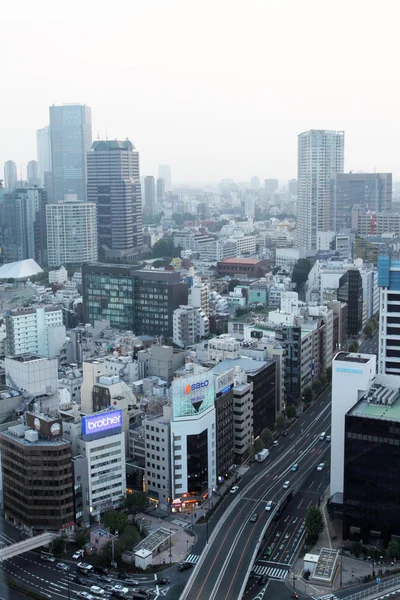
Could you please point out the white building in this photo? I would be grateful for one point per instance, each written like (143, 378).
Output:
(158, 457)
(389, 316)
(245, 245)
(199, 297)
(37, 330)
(190, 324)
(59, 276)
(320, 154)
(286, 258)
(71, 232)
(35, 375)
(224, 346)
(352, 376)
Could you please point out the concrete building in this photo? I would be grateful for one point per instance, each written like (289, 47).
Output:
(286, 258)
(43, 146)
(32, 173)
(149, 194)
(190, 324)
(160, 190)
(10, 176)
(223, 346)
(224, 423)
(35, 375)
(164, 172)
(320, 154)
(35, 330)
(161, 361)
(389, 315)
(199, 297)
(252, 267)
(71, 137)
(379, 223)
(71, 232)
(158, 457)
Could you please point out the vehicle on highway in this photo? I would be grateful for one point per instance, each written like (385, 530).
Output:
(104, 578)
(48, 558)
(269, 505)
(322, 435)
(281, 547)
(62, 566)
(253, 518)
(117, 594)
(144, 594)
(287, 535)
(263, 579)
(328, 438)
(286, 485)
(85, 595)
(275, 443)
(320, 466)
(234, 489)
(130, 581)
(294, 467)
(78, 579)
(163, 581)
(97, 591)
(284, 432)
(261, 456)
(100, 570)
(184, 565)
(78, 554)
(119, 588)
(84, 567)
(122, 576)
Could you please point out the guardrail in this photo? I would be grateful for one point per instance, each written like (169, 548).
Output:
(376, 590)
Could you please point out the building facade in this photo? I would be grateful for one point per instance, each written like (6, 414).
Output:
(149, 194)
(389, 315)
(35, 330)
(320, 154)
(10, 175)
(164, 172)
(43, 147)
(158, 457)
(190, 325)
(350, 291)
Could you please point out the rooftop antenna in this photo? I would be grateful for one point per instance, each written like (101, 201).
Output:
(98, 135)
(106, 134)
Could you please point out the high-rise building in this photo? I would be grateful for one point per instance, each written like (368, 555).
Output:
(190, 325)
(292, 187)
(164, 172)
(271, 185)
(389, 315)
(320, 155)
(43, 146)
(149, 193)
(71, 138)
(370, 192)
(160, 190)
(114, 185)
(32, 173)
(71, 232)
(350, 291)
(255, 183)
(10, 176)
(39, 330)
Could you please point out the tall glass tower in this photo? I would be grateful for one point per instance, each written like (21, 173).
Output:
(71, 138)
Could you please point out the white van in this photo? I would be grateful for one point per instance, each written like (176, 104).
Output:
(322, 435)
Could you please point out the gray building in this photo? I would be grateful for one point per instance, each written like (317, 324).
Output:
(149, 193)
(164, 172)
(10, 175)
(161, 361)
(114, 185)
(370, 192)
(160, 190)
(32, 173)
(158, 457)
(320, 155)
(43, 147)
(71, 138)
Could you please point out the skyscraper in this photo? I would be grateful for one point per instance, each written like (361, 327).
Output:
(71, 138)
(149, 193)
(43, 145)
(320, 155)
(350, 291)
(10, 175)
(164, 172)
(389, 317)
(160, 190)
(114, 185)
(32, 173)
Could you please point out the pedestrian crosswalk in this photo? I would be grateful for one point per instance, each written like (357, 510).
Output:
(181, 523)
(326, 597)
(192, 558)
(272, 572)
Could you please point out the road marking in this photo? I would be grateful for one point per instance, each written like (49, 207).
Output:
(192, 558)
(290, 436)
(310, 504)
(312, 413)
(311, 484)
(272, 572)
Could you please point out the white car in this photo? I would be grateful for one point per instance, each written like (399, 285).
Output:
(320, 466)
(269, 505)
(97, 591)
(120, 588)
(85, 595)
(62, 566)
(78, 554)
(286, 485)
(48, 558)
(234, 489)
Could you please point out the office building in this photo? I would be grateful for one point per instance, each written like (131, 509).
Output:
(255, 183)
(35, 330)
(190, 325)
(161, 361)
(270, 185)
(350, 291)
(158, 457)
(320, 155)
(10, 176)
(164, 172)
(160, 190)
(71, 232)
(114, 186)
(149, 194)
(389, 315)
(32, 173)
(37, 476)
(369, 192)
(250, 267)
(43, 146)
(71, 138)
(36, 377)
(141, 301)
(290, 339)
(292, 187)
(224, 423)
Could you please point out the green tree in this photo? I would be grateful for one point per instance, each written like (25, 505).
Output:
(374, 322)
(368, 330)
(266, 437)
(394, 548)
(161, 249)
(353, 347)
(115, 520)
(135, 502)
(129, 538)
(281, 422)
(356, 549)
(58, 546)
(328, 373)
(291, 411)
(317, 387)
(314, 524)
(258, 445)
(307, 395)
(323, 379)
(82, 536)
(232, 284)
(300, 271)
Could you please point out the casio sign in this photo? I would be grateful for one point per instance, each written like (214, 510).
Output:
(196, 386)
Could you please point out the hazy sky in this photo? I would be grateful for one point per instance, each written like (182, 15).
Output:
(216, 88)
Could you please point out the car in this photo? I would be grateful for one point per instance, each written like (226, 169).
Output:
(104, 578)
(287, 535)
(85, 595)
(84, 566)
(79, 580)
(275, 443)
(294, 467)
(141, 594)
(48, 558)
(253, 518)
(263, 579)
(130, 581)
(286, 485)
(269, 505)
(320, 466)
(185, 565)
(269, 550)
(119, 588)
(116, 594)
(97, 591)
(234, 489)
(62, 566)
(328, 438)
(322, 435)
(284, 432)
(281, 547)
(163, 581)
(78, 554)
(122, 576)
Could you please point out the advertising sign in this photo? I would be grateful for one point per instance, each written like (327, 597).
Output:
(50, 429)
(102, 422)
(193, 395)
(224, 382)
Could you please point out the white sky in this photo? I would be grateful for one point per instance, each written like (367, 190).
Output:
(216, 88)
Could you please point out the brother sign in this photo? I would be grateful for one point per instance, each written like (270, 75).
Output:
(102, 422)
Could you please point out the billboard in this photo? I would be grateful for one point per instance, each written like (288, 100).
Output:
(192, 395)
(107, 422)
(224, 382)
(50, 429)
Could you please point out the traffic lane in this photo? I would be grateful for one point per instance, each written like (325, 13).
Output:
(8, 594)
(209, 571)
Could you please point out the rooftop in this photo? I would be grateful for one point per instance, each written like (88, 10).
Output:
(380, 402)
(20, 269)
(248, 365)
(241, 261)
(354, 357)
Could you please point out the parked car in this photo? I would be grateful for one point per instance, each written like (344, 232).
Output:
(185, 565)
(253, 518)
(62, 566)
(286, 485)
(78, 554)
(234, 489)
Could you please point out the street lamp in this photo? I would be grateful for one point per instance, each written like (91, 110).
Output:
(170, 546)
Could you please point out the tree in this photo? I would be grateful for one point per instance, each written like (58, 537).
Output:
(317, 387)
(161, 249)
(115, 520)
(291, 411)
(135, 502)
(82, 536)
(394, 548)
(328, 373)
(58, 546)
(374, 323)
(281, 422)
(300, 271)
(129, 538)
(258, 445)
(314, 524)
(368, 330)
(353, 347)
(232, 284)
(267, 437)
(356, 548)
(323, 379)
(307, 395)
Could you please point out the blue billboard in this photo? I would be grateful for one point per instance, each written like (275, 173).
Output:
(102, 422)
